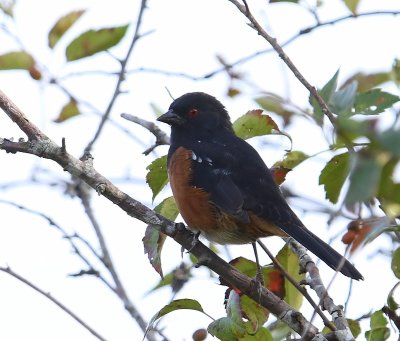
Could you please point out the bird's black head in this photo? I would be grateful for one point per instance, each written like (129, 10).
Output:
(197, 114)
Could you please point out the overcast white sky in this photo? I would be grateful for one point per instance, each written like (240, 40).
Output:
(187, 36)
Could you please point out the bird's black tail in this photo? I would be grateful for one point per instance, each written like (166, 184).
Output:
(321, 249)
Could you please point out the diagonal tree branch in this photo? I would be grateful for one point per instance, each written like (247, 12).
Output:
(121, 77)
(9, 271)
(84, 170)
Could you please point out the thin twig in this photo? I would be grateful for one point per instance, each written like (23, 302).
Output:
(161, 137)
(121, 77)
(301, 289)
(317, 285)
(52, 299)
(106, 259)
(253, 55)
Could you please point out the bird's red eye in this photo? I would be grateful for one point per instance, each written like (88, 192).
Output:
(193, 112)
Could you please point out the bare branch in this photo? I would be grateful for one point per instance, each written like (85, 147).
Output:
(121, 77)
(161, 137)
(52, 299)
(302, 290)
(84, 170)
(316, 283)
(244, 9)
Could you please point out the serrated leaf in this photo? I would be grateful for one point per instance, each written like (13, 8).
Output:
(342, 101)
(68, 111)
(291, 159)
(62, 25)
(173, 306)
(378, 320)
(392, 302)
(16, 60)
(374, 102)
(157, 176)
(364, 179)
(333, 176)
(94, 41)
(254, 123)
(378, 324)
(290, 262)
(326, 93)
(352, 5)
(153, 239)
(366, 82)
(396, 262)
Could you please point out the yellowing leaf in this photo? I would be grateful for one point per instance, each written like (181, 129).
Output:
(94, 41)
(16, 60)
(254, 123)
(352, 5)
(153, 239)
(69, 110)
(62, 25)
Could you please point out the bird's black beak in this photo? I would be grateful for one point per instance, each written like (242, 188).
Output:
(171, 118)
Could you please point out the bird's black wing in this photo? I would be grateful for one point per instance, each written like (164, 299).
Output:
(239, 182)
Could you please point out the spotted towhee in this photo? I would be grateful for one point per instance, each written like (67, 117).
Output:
(223, 188)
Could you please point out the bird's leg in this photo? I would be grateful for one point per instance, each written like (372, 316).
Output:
(259, 274)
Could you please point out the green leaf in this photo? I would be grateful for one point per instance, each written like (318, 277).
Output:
(342, 101)
(173, 306)
(167, 208)
(290, 262)
(253, 123)
(256, 314)
(326, 93)
(396, 262)
(354, 326)
(157, 176)
(333, 176)
(366, 82)
(390, 141)
(16, 60)
(374, 102)
(263, 334)
(231, 327)
(94, 41)
(291, 159)
(68, 110)
(225, 329)
(391, 301)
(352, 5)
(364, 179)
(378, 320)
(62, 25)
(276, 104)
(379, 331)
(153, 239)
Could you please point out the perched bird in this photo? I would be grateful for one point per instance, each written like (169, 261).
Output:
(223, 188)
